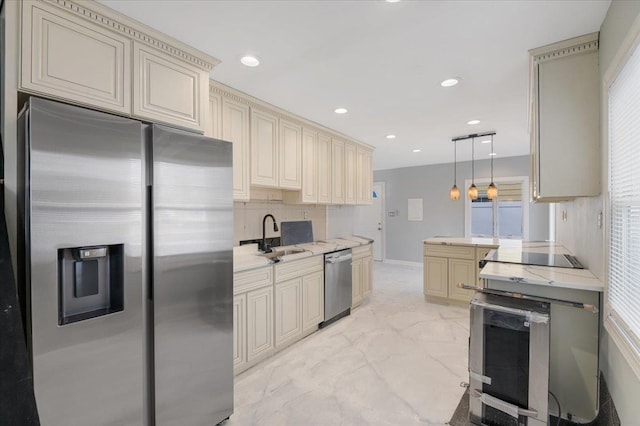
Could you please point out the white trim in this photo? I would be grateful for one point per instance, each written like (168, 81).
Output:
(384, 221)
(624, 52)
(403, 262)
(524, 180)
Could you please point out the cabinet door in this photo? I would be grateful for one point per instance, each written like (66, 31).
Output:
(264, 149)
(235, 129)
(239, 330)
(290, 149)
(168, 90)
(435, 276)
(70, 58)
(461, 271)
(350, 173)
(288, 311)
(213, 125)
(356, 282)
(312, 300)
(324, 169)
(364, 176)
(259, 322)
(367, 276)
(309, 166)
(337, 171)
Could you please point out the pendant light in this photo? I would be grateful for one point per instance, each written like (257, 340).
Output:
(454, 193)
(492, 190)
(473, 190)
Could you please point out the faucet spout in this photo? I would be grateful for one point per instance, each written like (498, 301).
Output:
(264, 238)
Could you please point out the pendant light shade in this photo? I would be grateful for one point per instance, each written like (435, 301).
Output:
(454, 193)
(472, 193)
(492, 190)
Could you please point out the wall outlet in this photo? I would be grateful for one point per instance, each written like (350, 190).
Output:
(305, 214)
(600, 220)
(564, 215)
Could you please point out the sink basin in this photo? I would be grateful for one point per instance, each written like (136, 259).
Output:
(279, 253)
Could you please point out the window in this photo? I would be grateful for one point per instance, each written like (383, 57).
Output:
(504, 217)
(622, 308)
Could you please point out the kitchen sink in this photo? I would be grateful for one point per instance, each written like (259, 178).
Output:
(279, 253)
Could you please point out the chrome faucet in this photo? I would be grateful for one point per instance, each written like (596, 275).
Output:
(264, 238)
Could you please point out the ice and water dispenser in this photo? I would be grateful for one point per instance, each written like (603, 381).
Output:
(90, 282)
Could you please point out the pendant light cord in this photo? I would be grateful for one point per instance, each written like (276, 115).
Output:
(473, 170)
(492, 158)
(455, 156)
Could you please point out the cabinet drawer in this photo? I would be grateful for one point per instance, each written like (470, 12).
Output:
(441, 250)
(297, 268)
(253, 279)
(361, 252)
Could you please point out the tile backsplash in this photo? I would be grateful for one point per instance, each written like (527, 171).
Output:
(247, 218)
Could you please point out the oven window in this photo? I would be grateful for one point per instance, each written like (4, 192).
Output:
(506, 362)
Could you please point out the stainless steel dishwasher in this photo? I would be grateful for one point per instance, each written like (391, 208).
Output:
(337, 286)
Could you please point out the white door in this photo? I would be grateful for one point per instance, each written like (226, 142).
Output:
(370, 221)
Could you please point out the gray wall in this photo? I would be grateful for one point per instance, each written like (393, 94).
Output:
(443, 217)
(580, 232)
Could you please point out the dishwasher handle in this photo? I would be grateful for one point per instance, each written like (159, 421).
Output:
(338, 259)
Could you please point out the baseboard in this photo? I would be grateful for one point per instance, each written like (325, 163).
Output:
(402, 262)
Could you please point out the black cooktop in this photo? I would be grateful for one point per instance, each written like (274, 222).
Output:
(528, 258)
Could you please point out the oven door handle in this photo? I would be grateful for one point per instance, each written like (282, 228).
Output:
(505, 407)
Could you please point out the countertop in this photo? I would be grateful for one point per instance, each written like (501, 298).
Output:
(248, 257)
(578, 279)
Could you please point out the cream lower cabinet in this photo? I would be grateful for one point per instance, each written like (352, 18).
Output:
(239, 330)
(361, 273)
(259, 322)
(446, 265)
(299, 301)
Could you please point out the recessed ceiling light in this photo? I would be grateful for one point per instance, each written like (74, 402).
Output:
(492, 154)
(250, 61)
(390, 136)
(472, 122)
(416, 150)
(340, 110)
(450, 82)
(393, 1)
(487, 141)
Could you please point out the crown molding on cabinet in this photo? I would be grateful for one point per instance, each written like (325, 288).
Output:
(221, 89)
(122, 24)
(573, 46)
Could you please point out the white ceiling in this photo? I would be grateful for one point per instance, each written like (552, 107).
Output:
(384, 62)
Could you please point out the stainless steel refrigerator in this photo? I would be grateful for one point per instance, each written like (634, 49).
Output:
(127, 275)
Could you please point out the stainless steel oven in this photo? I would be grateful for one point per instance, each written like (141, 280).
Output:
(508, 361)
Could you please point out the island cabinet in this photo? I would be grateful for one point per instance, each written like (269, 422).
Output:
(564, 93)
(447, 265)
(85, 53)
(361, 273)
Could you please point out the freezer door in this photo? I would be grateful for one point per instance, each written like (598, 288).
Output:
(193, 278)
(82, 176)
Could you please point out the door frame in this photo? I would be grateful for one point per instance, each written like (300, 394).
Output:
(383, 250)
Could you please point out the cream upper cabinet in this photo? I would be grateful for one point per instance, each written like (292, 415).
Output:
(350, 177)
(337, 171)
(213, 123)
(364, 175)
(167, 90)
(290, 149)
(309, 166)
(235, 129)
(85, 53)
(565, 119)
(68, 57)
(264, 148)
(324, 168)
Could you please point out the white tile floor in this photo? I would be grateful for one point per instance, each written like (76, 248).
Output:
(397, 360)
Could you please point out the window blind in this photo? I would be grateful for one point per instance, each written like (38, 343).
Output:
(623, 296)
